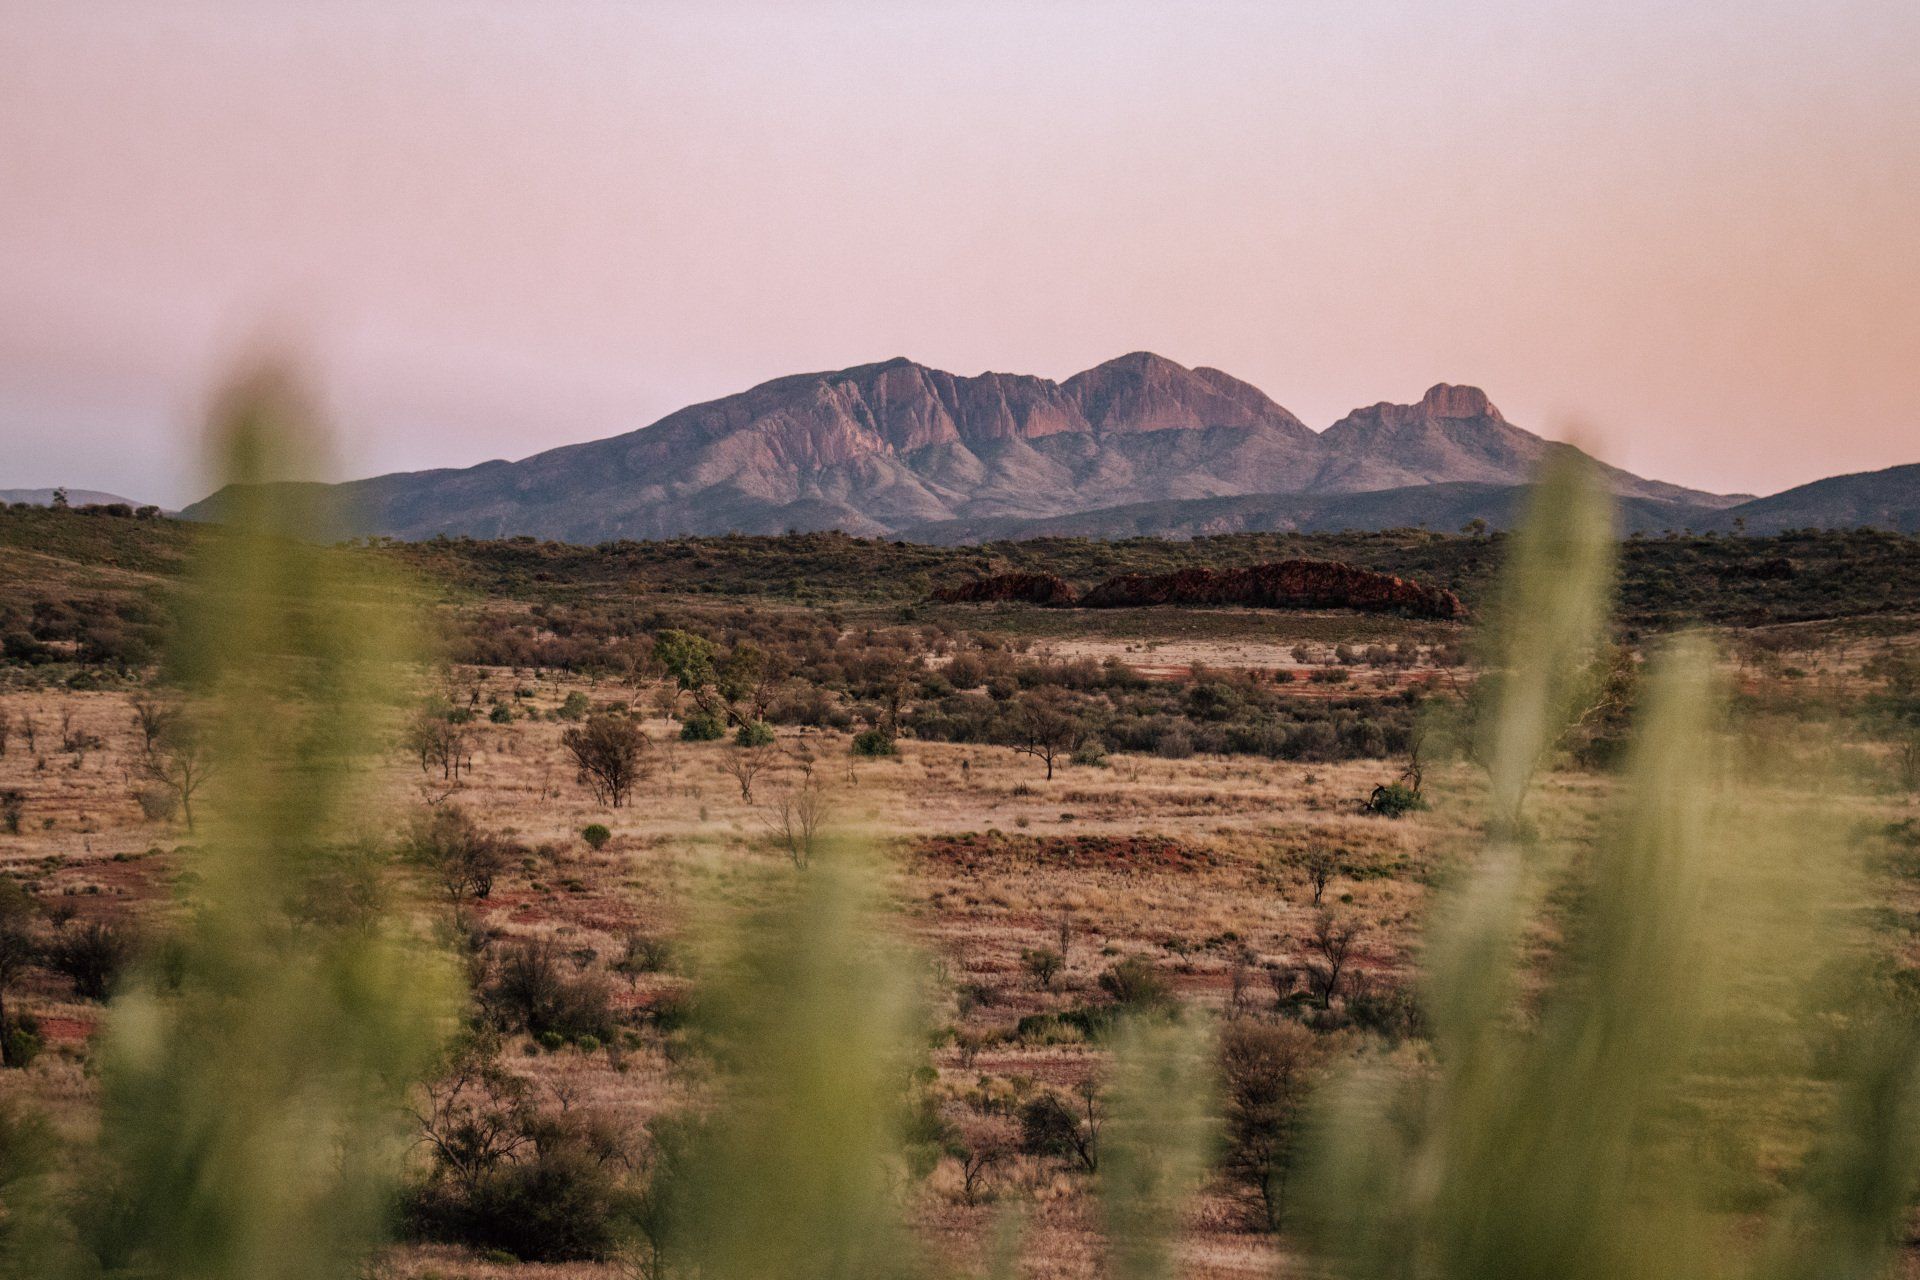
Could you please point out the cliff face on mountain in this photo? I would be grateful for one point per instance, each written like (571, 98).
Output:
(880, 448)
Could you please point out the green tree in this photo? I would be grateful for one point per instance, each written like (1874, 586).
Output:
(611, 753)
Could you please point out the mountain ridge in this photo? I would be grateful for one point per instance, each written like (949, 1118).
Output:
(1888, 499)
(894, 445)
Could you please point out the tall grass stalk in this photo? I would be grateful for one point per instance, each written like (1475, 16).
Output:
(1157, 1142)
(814, 1016)
(1578, 1126)
(252, 1074)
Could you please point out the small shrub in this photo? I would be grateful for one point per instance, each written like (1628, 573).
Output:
(596, 835)
(701, 727)
(644, 954)
(534, 992)
(754, 733)
(157, 804)
(1050, 1128)
(1388, 1010)
(575, 707)
(1043, 964)
(21, 1036)
(1174, 744)
(1394, 800)
(510, 1179)
(92, 955)
(874, 744)
(1133, 983)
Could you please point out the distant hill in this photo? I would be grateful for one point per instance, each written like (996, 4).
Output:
(75, 497)
(1888, 499)
(884, 448)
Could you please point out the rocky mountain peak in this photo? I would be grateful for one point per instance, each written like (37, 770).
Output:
(1444, 400)
(1141, 391)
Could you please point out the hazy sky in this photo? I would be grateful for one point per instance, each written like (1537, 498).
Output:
(496, 227)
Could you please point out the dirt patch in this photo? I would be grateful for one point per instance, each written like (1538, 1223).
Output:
(57, 1030)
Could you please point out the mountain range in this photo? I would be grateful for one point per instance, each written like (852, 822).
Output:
(1138, 445)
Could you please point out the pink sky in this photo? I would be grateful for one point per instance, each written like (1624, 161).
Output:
(500, 226)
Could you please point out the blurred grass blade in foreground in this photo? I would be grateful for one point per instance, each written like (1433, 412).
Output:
(251, 1083)
(812, 1014)
(1597, 1129)
(1158, 1141)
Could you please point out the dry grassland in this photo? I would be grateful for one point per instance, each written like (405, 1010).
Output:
(1195, 864)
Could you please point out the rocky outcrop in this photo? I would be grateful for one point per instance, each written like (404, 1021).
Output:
(1021, 588)
(1284, 584)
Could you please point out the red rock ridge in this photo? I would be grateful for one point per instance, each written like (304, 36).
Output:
(1285, 584)
(1024, 588)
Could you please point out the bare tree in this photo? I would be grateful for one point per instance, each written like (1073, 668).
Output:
(74, 740)
(1044, 730)
(1239, 984)
(151, 717)
(798, 816)
(1333, 943)
(436, 740)
(462, 856)
(477, 1115)
(1414, 775)
(611, 754)
(181, 760)
(1320, 867)
(980, 1161)
(6, 729)
(743, 765)
(1283, 979)
(1267, 1071)
(1043, 964)
(1094, 1113)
